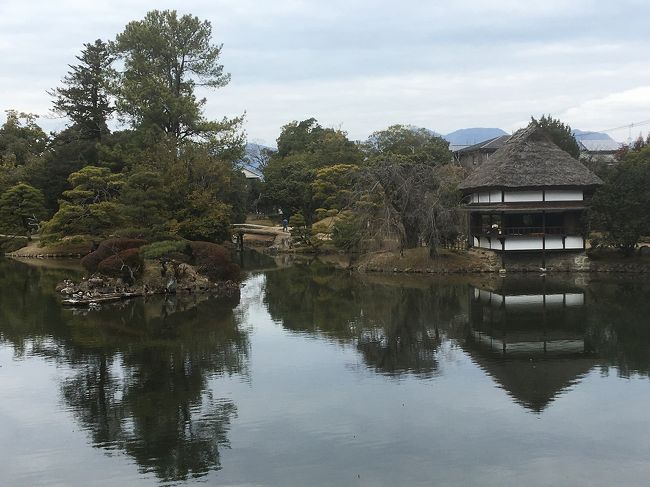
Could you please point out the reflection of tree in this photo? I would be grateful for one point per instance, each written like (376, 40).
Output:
(159, 410)
(396, 326)
(141, 372)
(407, 338)
(618, 323)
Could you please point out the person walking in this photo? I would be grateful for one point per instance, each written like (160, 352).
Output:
(285, 225)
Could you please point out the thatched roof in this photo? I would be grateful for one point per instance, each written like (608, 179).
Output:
(529, 159)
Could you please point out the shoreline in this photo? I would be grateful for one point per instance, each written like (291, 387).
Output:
(417, 261)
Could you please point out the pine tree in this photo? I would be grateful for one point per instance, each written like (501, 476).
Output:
(85, 95)
(560, 133)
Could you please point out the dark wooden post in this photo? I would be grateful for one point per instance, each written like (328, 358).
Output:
(240, 241)
(504, 322)
(543, 239)
(544, 311)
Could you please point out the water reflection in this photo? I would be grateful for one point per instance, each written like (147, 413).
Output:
(395, 324)
(140, 369)
(529, 336)
(619, 322)
(151, 380)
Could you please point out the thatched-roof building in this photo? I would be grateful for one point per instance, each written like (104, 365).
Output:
(530, 195)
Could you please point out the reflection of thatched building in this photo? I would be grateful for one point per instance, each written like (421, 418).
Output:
(529, 195)
(529, 337)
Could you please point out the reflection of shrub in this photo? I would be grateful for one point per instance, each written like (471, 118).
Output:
(126, 264)
(213, 261)
(166, 248)
(109, 248)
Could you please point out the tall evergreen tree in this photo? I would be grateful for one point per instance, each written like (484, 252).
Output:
(165, 58)
(85, 95)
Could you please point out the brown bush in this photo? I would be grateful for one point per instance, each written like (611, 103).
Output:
(213, 261)
(127, 264)
(109, 248)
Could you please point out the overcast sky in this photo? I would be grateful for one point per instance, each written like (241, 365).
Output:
(363, 65)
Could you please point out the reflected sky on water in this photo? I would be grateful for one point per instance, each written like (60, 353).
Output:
(319, 377)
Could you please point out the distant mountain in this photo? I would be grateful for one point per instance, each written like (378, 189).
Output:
(254, 154)
(471, 136)
(585, 135)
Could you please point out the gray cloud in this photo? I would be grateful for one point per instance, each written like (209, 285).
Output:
(363, 65)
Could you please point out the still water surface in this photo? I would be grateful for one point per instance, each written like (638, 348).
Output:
(317, 377)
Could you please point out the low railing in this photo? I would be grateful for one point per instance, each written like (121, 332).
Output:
(518, 231)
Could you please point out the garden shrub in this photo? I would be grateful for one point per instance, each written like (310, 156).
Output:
(165, 248)
(126, 264)
(213, 261)
(108, 248)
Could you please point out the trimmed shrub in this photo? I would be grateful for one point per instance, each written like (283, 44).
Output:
(213, 261)
(108, 248)
(126, 264)
(166, 248)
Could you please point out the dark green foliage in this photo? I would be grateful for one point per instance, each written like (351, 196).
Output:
(165, 57)
(317, 146)
(560, 133)
(21, 209)
(205, 219)
(301, 233)
(85, 97)
(415, 145)
(213, 261)
(347, 234)
(304, 148)
(109, 248)
(171, 175)
(90, 206)
(165, 248)
(621, 206)
(332, 186)
(21, 139)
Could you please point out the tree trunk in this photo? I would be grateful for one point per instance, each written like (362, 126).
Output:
(411, 235)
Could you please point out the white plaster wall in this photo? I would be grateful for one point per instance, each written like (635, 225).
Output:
(484, 197)
(484, 243)
(474, 197)
(495, 196)
(520, 196)
(553, 242)
(524, 243)
(537, 300)
(574, 243)
(525, 300)
(575, 299)
(564, 195)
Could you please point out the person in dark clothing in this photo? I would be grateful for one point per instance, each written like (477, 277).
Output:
(285, 225)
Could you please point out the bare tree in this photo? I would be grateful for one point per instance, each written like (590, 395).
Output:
(410, 202)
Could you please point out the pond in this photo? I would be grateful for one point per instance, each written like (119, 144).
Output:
(320, 377)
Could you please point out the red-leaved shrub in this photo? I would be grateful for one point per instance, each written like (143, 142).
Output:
(127, 264)
(213, 261)
(109, 248)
